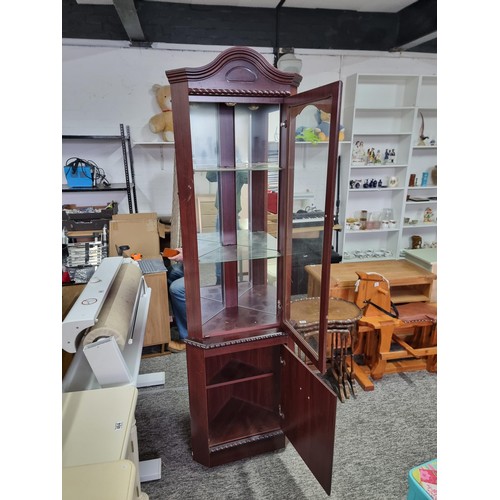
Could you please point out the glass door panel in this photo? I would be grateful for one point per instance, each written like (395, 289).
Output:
(311, 183)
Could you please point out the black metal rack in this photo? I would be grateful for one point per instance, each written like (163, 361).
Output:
(128, 167)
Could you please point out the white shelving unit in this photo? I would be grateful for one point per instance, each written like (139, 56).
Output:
(382, 114)
(423, 159)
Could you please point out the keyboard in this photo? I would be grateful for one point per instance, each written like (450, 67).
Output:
(150, 266)
(305, 219)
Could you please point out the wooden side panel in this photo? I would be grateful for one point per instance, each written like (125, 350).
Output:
(158, 325)
(309, 410)
(69, 295)
(198, 404)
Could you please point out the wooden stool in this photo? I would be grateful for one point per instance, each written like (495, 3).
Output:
(342, 327)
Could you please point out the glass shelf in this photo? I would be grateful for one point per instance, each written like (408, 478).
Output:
(250, 246)
(241, 167)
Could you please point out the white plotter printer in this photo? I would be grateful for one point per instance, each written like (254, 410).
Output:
(105, 330)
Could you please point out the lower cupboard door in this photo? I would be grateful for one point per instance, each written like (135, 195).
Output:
(308, 408)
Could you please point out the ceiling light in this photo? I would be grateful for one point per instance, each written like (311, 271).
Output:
(289, 63)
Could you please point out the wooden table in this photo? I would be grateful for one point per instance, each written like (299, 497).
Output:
(426, 258)
(409, 282)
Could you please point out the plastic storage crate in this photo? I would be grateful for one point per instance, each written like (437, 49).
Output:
(79, 176)
(422, 481)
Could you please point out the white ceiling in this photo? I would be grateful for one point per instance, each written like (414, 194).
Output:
(357, 5)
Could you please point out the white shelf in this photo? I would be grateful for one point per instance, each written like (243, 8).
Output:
(428, 225)
(383, 111)
(368, 231)
(379, 165)
(381, 134)
(385, 108)
(424, 202)
(153, 143)
(375, 190)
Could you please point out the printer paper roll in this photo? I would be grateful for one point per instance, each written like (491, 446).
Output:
(116, 314)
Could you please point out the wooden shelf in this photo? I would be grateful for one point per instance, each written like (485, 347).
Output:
(237, 371)
(403, 296)
(239, 419)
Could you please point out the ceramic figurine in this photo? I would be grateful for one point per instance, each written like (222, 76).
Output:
(393, 181)
(416, 242)
(386, 156)
(421, 136)
(358, 154)
(428, 215)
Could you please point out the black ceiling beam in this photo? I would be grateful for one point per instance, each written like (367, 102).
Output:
(417, 26)
(245, 26)
(128, 15)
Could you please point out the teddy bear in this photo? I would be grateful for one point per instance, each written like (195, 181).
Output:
(323, 128)
(162, 123)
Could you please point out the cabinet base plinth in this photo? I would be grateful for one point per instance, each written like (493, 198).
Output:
(245, 448)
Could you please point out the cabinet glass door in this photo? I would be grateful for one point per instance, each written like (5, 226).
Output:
(312, 120)
(236, 164)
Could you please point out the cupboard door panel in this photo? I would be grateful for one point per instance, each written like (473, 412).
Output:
(308, 408)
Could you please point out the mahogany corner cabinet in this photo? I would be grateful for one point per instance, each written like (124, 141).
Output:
(244, 134)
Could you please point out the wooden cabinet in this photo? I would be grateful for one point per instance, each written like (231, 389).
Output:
(158, 325)
(408, 281)
(206, 213)
(249, 386)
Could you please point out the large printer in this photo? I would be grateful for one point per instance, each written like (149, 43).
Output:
(105, 330)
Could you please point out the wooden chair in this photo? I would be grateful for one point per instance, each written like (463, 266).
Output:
(390, 340)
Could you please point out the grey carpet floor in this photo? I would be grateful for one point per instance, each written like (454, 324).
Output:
(380, 436)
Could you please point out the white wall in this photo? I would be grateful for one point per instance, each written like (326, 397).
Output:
(104, 85)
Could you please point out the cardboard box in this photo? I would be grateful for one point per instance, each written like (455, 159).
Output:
(141, 232)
